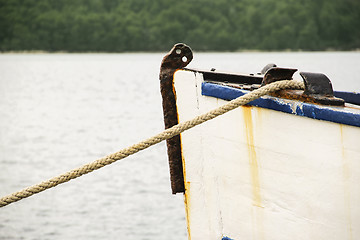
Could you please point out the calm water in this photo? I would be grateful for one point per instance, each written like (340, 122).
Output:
(59, 111)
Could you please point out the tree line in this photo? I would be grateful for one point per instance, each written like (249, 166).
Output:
(155, 25)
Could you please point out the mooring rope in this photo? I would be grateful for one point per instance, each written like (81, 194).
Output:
(168, 133)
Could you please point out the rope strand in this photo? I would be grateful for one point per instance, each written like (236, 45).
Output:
(168, 133)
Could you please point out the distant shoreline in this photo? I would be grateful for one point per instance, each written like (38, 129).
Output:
(145, 52)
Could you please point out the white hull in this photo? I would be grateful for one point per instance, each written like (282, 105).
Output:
(256, 173)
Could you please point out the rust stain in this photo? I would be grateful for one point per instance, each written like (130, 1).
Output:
(346, 176)
(259, 118)
(174, 91)
(254, 166)
(186, 193)
(257, 210)
(187, 206)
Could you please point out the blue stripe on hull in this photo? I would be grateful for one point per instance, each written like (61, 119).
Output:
(226, 238)
(332, 114)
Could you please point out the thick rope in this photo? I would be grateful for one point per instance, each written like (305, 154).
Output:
(168, 133)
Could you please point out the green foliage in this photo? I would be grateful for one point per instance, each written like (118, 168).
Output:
(155, 25)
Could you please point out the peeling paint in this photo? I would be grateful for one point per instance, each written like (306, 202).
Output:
(296, 107)
(344, 115)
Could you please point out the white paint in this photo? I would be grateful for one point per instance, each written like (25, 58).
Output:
(307, 171)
